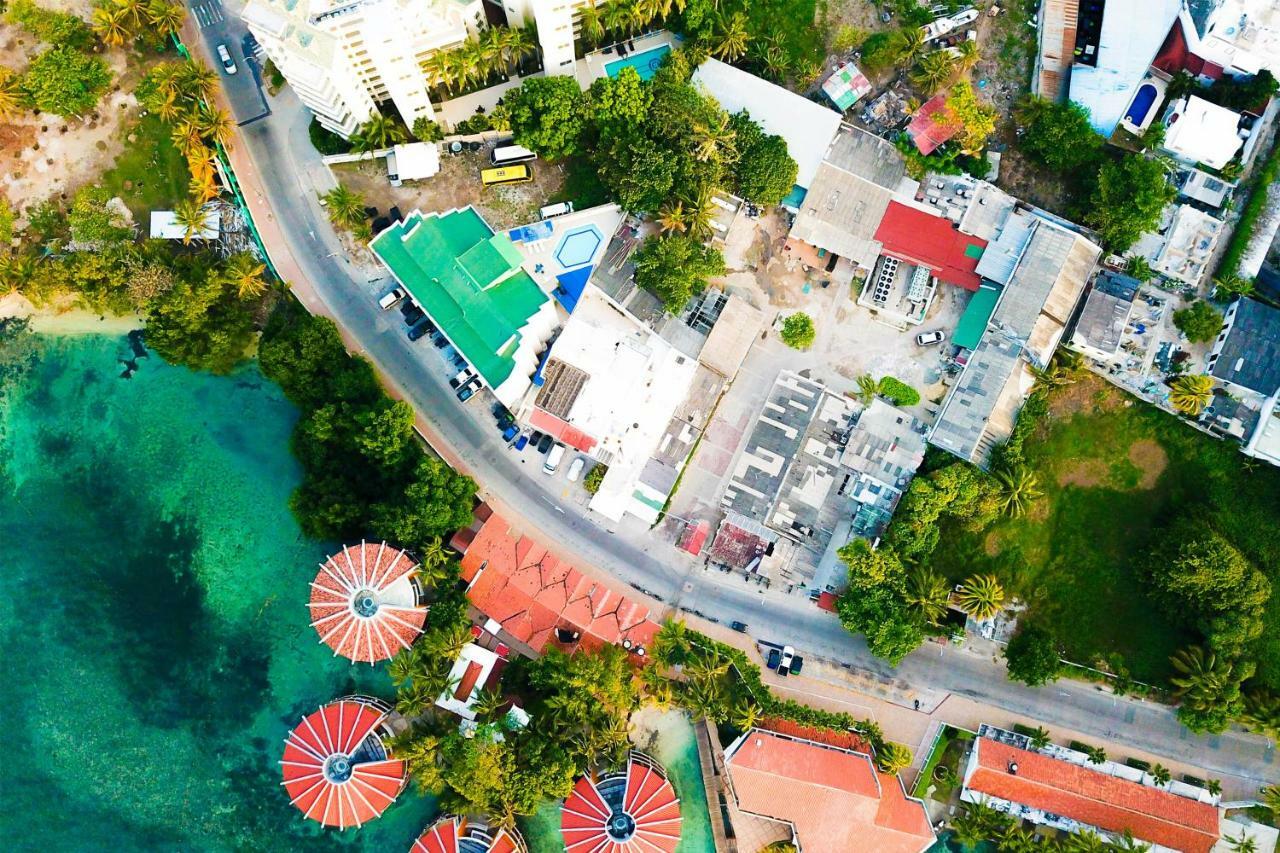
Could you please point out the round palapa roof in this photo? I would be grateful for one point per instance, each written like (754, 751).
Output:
(364, 603)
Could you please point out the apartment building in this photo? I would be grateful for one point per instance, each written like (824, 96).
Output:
(555, 21)
(343, 59)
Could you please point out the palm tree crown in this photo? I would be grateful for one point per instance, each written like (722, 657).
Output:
(981, 596)
(1191, 394)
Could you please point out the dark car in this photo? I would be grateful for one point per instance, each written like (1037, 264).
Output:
(510, 432)
(395, 214)
(797, 664)
(544, 444)
(739, 626)
(419, 330)
(438, 339)
(413, 316)
(775, 655)
(466, 392)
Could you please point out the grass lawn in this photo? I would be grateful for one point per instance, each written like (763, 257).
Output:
(150, 174)
(1113, 471)
(948, 751)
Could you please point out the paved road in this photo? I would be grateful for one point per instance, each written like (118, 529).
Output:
(217, 25)
(289, 172)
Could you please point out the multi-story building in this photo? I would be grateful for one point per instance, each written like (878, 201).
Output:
(345, 58)
(556, 21)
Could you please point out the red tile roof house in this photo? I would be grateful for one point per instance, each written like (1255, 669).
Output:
(540, 600)
(833, 797)
(928, 240)
(933, 124)
(1054, 788)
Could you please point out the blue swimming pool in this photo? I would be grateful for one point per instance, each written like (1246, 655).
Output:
(578, 246)
(1142, 104)
(645, 63)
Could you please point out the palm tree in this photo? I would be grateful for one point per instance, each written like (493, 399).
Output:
(433, 563)
(189, 215)
(196, 81)
(746, 715)
(379, 131)
(934, 71)
(776, 61)
(9, 94)
(133, 10)
(671, 217)
(186, 137)
(1139, 267)
(110, 25)
(616, 15)
(445, 68)
(868, 387)
(706, 666)
(969, 56)
(672, 646)
(1160, 774)
(1214, 786)
(1097, 754)
(346, 207)
(700, 213)
(1262, 712)
(927, 593)
(245, 273)
(590, 24)
(1052, 376)
(1039, 737)
(203, 188)
(448, 645)
(711, 138)
(488, 703)
(893, 758)
(1243, 844)
(401, 668)
(1128, 844)
(521, 41)
(981, 596)
(979, 823)
(1018, 489)
(1190, 394)
(1085, 841)
(1201, 677)
(731, 36)
(1019, 840)
(214, 124)
(421, 751)
(1230, 284)
(908, 44)
(168, 109)
(1270, 799)
(166, 17)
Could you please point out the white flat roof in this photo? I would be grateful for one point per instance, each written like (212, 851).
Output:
(1204, 133)
(470, 655)
(164, 225)
(416, 161)
(807, 128)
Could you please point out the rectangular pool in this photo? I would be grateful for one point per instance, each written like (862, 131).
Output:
(645, 63)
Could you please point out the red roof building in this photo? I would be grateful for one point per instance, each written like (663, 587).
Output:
(834, 798)
(365, 602)
(539, 599)
(933, 124)
(458, 835)
(635, 811)
(1000, 771)
(337, 767)
(921, 238)
(1175, 55)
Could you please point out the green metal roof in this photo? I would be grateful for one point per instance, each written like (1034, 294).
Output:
(469, 282)
(976, 314)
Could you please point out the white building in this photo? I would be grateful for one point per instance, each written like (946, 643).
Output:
(343, 59)
(1188, 245)
(469, 676)
(610, 388)
(1203, 132)
(1243, 36)
(556, 24)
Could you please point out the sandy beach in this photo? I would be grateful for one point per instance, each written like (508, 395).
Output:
(61, 320)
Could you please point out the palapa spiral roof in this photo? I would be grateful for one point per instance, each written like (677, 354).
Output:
(454, 835)
(635, 811)
(364, 604)
(337, 770)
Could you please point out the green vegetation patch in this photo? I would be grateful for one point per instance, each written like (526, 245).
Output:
(151, 173)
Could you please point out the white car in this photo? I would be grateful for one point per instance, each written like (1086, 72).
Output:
(553, 459)
(575, 470)
(926, 339)
(784, 665)
(224, 56)
(391, 298)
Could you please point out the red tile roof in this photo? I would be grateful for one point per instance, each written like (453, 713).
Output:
(694, 536)
(647, 798)
(363, 605)
(933, 124)
(519, 583)
(835, 798)
(1094, 798)
(1175, 55)
(354, 795)
(562, 430)
(447, 834)
(921, 238)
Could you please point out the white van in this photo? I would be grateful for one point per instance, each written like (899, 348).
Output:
(553, 459)
(552, 210)
(391, 298)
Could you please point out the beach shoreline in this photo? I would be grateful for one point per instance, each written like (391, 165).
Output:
(66, 320)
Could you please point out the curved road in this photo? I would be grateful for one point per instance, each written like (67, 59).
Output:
(281, 173)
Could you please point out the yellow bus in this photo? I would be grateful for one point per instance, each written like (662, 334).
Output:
(518, 174)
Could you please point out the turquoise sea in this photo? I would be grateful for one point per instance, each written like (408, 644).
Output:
(153, 627)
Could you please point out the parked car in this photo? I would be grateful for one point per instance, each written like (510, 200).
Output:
(775, 655)
(544, 443)
(464, 376)
(438, 339)
(467, 391)
(224, 56)
(784, 665)
(575, 470)
(740, 627)
(510, 433)
(419, 330)
(926, 339)
(797, 664)
(412, 318)
(521, 443)
(391, 298)
(553, 459)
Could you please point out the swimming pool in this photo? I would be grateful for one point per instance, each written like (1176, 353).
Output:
(645, 63)
(578, 246)
(1142, 103)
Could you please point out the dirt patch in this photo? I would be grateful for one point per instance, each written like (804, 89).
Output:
(991, 544)
(1150, 458)
(1085, 474)
(456, 185)
(1087, 394)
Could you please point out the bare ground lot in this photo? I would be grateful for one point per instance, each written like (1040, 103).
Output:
(457, 185)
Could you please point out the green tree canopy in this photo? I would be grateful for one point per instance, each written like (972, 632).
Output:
(897, 392)
(547, 115)
(1200, 322)
(1130, 194)
(638, 175)
(65, 82)
(92, 222)
(436, 500)
(200, 322)
(49, 26)
(1057, 135)
(764, 172)
(797, 331)
(620, 105)
(675, 267)
(1032, 656)
(875, 602)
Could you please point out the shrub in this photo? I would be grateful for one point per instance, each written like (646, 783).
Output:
(797, 331)
(50, 27)
(65, 82)
(426, 130)
(326, 141)
(898, 392)
(1200, 322)
(675, 268)
(1249, 215)
(594, 478)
